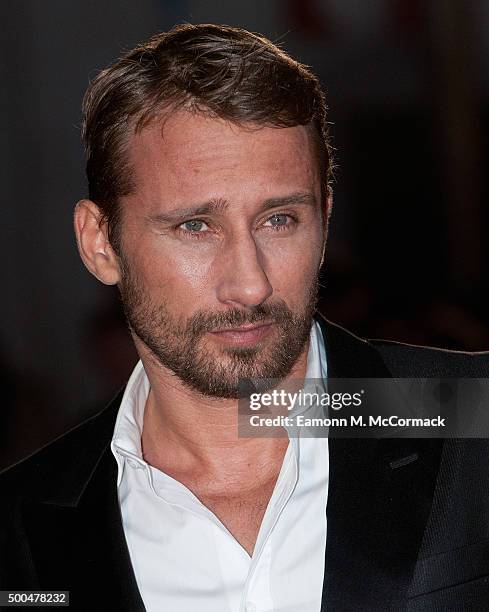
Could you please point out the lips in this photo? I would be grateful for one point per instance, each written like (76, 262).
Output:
(242, 328)
(249, 333)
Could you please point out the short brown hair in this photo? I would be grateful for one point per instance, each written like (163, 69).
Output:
(220, 71)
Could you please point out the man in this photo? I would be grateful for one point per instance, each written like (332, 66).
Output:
(209, 165)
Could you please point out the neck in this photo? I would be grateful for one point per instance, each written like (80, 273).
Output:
(186, 432)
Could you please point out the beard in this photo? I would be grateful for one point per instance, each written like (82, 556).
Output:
(179, 344)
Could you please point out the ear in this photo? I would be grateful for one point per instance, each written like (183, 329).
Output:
(328, 207)
(93, 243)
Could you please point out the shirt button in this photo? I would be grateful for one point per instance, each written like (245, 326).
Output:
(134, 464)
(251, 607)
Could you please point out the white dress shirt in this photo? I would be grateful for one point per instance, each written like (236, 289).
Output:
(184, 558)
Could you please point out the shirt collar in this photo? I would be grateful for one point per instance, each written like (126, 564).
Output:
(316, 357)
(126, 440)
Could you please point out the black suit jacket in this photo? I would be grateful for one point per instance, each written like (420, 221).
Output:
(408, 519)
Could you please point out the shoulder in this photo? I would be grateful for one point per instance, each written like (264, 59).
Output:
(397, 359)
(61, 461)
(426, 361)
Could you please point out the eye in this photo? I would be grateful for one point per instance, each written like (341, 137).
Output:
(194, 226)
(279, 221)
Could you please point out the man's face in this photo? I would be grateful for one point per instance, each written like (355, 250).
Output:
(222, 241)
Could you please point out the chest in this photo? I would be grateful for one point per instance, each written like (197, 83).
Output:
(242, 515)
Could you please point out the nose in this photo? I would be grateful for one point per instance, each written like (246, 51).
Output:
(243, 279)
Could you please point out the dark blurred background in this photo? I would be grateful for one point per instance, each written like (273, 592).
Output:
(407, 84)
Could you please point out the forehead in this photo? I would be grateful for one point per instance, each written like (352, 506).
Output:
(193, 156)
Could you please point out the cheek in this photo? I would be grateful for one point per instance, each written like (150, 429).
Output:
(179, 277)
(293, 268)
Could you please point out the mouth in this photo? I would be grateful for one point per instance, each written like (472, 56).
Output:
(250, 333)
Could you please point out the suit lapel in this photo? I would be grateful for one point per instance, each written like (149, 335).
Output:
(76, 537)
(380, 494)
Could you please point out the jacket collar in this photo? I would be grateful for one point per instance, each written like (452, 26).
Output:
(75, 457)
(379, 499)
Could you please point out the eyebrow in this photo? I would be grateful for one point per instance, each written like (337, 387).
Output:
(217, 206)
